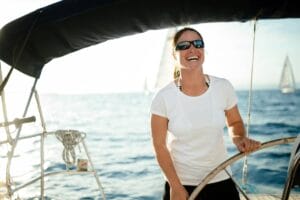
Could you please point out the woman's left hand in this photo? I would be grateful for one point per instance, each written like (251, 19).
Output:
(245, 144)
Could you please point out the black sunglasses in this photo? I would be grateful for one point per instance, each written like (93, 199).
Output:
(187, 44)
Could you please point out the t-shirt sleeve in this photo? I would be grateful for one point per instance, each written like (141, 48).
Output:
(158, 106)
(231, 97)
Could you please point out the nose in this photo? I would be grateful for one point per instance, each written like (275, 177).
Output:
(192, 48)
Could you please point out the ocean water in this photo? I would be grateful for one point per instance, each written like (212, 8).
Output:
(118, 140)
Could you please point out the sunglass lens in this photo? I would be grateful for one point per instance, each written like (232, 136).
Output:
(198, 43)
(183, 45)
(187, 44)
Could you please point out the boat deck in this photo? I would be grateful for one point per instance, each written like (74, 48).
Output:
(270, 197)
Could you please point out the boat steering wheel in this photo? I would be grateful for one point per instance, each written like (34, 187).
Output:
(234, 158)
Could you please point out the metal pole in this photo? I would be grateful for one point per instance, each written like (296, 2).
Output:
(4, 109)
(15, 141)
(93, 169)
(42, 153)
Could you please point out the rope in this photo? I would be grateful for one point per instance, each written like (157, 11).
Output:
(69, 138)
(245, 165)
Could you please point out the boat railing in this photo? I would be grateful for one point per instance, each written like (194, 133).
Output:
(68, 170)
(69, 138)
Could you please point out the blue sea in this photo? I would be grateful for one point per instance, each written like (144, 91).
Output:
(118, 140)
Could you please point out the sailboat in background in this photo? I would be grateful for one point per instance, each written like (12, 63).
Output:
(165, 72)
(146, 87)
(287, 81)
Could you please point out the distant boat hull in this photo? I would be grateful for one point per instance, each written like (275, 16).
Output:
(287, 90)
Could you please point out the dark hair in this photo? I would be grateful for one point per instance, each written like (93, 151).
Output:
(181, 31)
(176, 37)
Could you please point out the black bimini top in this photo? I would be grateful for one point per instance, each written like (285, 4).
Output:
(28, 43)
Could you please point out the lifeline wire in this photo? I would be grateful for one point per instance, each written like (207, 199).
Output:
(245, 166)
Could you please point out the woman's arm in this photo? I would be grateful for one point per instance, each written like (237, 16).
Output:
(237, 131)
(159, 127)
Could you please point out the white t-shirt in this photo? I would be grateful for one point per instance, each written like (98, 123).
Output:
(196, 128)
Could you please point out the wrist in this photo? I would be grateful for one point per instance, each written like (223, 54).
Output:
(237, 139)
(238, 136)
(175, 185)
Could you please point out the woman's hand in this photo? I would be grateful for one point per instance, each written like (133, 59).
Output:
(237, 131)
(178, 193)
(245, 144)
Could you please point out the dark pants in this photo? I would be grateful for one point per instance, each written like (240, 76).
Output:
(225, 189)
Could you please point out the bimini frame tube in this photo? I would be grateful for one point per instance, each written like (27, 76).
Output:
(93, 170)
(4, 109)
(43, 135)
(15, 141)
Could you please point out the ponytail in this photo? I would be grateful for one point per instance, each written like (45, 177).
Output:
(176, 73)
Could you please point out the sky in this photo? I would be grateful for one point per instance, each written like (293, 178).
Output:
(125, 64)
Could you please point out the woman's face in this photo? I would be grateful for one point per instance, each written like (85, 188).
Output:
(192, 57)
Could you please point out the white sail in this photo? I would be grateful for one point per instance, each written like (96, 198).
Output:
(165, 71)
(146, 88)
(287, 81)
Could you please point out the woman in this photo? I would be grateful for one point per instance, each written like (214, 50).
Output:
(187, 122)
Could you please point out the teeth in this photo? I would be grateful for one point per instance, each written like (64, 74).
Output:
(193, 58)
